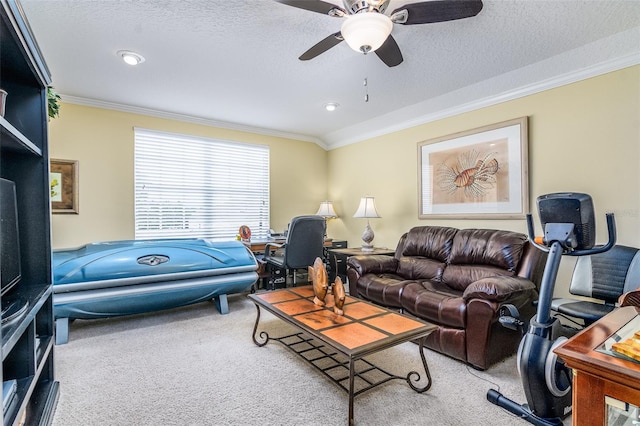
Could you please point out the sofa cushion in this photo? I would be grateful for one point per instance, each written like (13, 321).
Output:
(429, 241)
(481, 253)
(487, 247)
(416, 267)
(384, 289)
(435, 302)
(458, 277)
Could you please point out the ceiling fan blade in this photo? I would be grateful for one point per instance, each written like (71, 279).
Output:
(316, 6)
(389, 52)
(322, 46)
(429, 12)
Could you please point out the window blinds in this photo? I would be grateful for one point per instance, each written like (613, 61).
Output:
(192, 187)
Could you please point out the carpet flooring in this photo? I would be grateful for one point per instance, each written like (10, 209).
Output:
(193, 366)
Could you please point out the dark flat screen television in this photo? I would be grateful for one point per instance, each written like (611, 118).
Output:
(11, 271)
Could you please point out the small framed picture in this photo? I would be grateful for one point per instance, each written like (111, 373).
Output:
(63, 181)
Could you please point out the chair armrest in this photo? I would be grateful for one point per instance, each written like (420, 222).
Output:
(373, 264)
(271, 247)
(498, 289)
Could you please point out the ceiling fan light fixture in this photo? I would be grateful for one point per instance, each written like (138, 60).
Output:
(366, 31)
(130, 58)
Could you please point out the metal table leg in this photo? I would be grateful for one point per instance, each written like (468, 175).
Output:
(301, 344)
(417, 375)
(263, 334)
(351, 386)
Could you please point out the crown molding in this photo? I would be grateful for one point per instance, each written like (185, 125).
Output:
(570, 67)
(338, 140)
(189, 119)
(600, 57)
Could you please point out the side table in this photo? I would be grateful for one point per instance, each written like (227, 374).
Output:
(606, 385)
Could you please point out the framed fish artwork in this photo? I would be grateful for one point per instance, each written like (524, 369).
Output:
(477, 174)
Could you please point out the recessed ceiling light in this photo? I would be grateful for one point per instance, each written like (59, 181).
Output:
(131, 58)
(331, 106)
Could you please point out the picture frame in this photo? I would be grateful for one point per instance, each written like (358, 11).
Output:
(63, 181)
(476, 174)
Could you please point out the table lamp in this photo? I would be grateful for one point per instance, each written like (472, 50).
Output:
(326, 210)
(367, 208)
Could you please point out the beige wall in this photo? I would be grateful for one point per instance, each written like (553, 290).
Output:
(583, 137)
(102, 141)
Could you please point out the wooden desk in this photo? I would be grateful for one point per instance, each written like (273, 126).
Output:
(596, 374)
(257, 246)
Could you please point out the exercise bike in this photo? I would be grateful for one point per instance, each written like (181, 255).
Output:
(569, 229)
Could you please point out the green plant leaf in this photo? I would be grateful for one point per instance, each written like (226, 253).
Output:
(53, 101)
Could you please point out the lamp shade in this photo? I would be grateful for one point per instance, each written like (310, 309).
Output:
(366, 31)
(367, 208)
(326, 210)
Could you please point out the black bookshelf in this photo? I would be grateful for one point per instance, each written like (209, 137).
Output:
(27, 343)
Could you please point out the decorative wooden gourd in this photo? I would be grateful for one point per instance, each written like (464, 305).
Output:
(339, 296)
(318, 274)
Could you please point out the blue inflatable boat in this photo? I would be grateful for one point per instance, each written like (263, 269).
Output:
(135, 276)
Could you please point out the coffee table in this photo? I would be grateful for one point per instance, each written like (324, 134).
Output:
(337, 344)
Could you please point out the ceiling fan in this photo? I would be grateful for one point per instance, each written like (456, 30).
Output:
(367, 28)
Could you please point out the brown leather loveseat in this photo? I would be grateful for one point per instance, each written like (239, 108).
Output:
(458, 280)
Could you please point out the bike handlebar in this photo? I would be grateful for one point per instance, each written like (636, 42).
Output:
(611, 230)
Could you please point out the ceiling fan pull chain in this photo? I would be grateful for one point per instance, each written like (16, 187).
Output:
(366, 90)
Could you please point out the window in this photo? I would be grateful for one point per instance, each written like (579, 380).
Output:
(192, 187)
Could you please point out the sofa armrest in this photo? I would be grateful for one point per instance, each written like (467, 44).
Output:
(357, 266)
(373, 264)
(498, 289)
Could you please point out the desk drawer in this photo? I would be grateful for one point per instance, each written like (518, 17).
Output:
(338, 244)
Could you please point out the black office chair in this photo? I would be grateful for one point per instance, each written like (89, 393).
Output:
(605, 276)
(304, 243)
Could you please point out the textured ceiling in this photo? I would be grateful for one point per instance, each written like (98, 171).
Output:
(234, 63)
